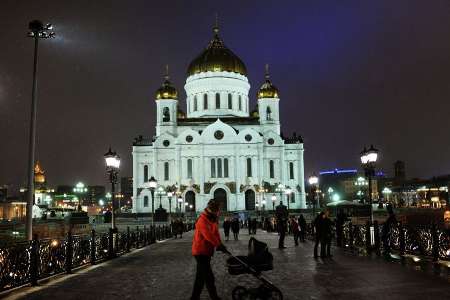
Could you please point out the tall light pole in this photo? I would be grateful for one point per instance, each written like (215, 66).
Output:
(288, 192)
(180, 201)
(280, 189)
(152, 183)
(313, 181)
(170, 195)
(160, 192)
(112, 167)
(368, 161)
(37, 31)
(274, 198)
(80, 189)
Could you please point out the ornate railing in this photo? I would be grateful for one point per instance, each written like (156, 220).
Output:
(429, 241)
(27, 262)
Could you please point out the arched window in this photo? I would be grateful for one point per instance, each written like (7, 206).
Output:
(292, 197)
(219, 168)
(230, 101)
(195, 103)
(145, 201)
(291, 170)
(249, 167)
(268, 113)
(205, 101)
(217, 100)
(166, 114)
(240, 102)
(225, 167)
(271, 169)
(213, 168)
(166, 170)
(189, 168)
(145, 173)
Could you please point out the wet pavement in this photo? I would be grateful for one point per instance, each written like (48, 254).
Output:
(166, 271)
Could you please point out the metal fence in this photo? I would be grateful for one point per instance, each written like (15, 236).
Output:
(27, 262)
(428, 241)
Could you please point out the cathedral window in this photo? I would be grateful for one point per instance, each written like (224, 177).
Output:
(240, 102)
(213, 168)
(205, 101)
(291, 170)
(268, 114)
(225, 167)
(145, 201)
(230, 102)
(219, 168)
(271, 169)
(217, 100)
(189, 168)
(195, 103)
(166, 171)
(145, 173)
(249, 167)
(166, 114)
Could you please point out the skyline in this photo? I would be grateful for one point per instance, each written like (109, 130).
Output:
(89, 78)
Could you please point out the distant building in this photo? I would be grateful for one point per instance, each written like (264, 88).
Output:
(126, 189)
(94, 194)
(12, 208)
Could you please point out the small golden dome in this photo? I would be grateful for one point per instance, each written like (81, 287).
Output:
(268, 90)
(166, 91)
(39, 176)
(217, 58)
(180, 114)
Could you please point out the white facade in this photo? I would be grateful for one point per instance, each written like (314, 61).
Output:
(218, 150)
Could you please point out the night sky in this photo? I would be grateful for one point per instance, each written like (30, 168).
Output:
(349, 73)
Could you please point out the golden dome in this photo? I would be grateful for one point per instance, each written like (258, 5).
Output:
(39, 176)
(217, 58)
(166, 91)
(268, 90)
(180, 113)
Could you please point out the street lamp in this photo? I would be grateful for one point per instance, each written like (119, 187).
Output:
(273, 198)
(112, 168)
(169, 195)
(387, 191)
(160, 192)
(368, 160)
(313, 181)
(288, 192)
(151, 185)
(180, 201)
(37, 31)
(80, 189)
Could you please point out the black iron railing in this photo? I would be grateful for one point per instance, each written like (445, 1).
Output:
(27, 262)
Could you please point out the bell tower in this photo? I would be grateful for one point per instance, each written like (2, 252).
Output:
(268, 104)
(166, 106)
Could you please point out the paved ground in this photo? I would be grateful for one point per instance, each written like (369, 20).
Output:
(166, 271)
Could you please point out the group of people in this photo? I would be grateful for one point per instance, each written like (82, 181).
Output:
(234, 225)
(178, 227)
(323, 234)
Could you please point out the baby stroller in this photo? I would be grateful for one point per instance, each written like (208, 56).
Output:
(259, 259)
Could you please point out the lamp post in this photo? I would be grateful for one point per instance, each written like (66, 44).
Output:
(112, 167)
(262, 192)
(288, 192)
(368, 161)
(280, 189)
(170, 195)
(80, 189)
(160, 192)
(152, 183)
(180, 201)
(274, 198)
(313, 181)
(37, 31)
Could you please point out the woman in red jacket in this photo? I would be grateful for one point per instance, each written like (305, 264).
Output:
(206, 240)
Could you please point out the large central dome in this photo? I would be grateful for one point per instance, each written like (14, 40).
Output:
(217, 58)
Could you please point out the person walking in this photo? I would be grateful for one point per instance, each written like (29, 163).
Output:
(302, 228)
(249, 223)
(254, 225)
(295, 230)
(318, 231)
(235, 226)
(325, 241)
(206, 239)
(226, 228)
(180, 227)
(282, 215)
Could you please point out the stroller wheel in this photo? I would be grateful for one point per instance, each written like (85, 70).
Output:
(269, 292)
(240, 293)
(275, 295)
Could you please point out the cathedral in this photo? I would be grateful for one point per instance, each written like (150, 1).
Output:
(219, 148)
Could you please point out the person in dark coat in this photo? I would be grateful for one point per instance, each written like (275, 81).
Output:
(254, 225)
(226, 228)
(325, 236)
(302, 228)
(249, 226)
(295, 230)
(180, 227)
(318, 231)
(235, 227)
(281, 214)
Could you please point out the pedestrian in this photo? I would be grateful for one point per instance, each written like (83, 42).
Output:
(325, 241)
(295, 230)
(180, 227)
(249, 223)
(317, 230)
(254, 225)
(226, 228)
(206, 239)
(235, 226)
(174, 225)
(302, 228)
(282, 215)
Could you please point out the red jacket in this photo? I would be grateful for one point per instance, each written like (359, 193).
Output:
(206, 235)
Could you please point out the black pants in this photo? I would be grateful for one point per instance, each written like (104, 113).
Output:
(296, 236)
(325, 246)
(316, 244)
(236, 235)
(281, 240)
(204, 275)
(302, 236)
